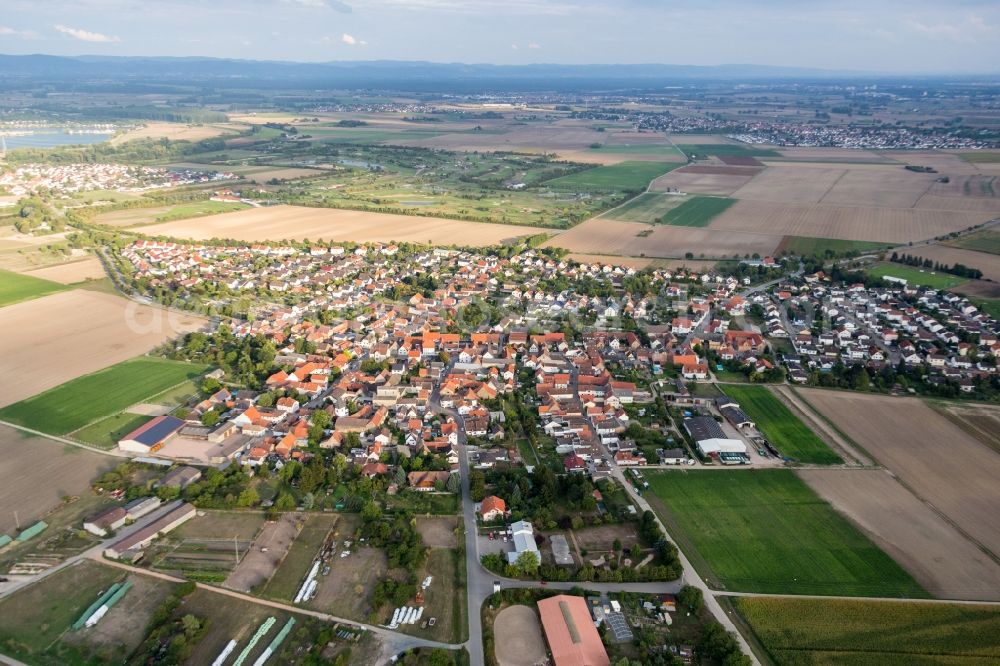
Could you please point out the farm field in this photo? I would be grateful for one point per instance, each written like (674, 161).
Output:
(916, 276)
(298, 223)
(989, 264)
(938, 461)
(823, 247)
(896, 188)
(697, 211)
(884, 225)
(981, 157)
(980, 421)
(647, 208)
(637, 263)
(270, 545)
(943, 561)
(629, 176)
(700, 150)
(17, 287)
(819, 154)
(698, 179)
(106, 432)
(176, 131)
(767, 531)
(790, 184)
(789, 434)
(70, 272)
(157, 214)
(961, 204)
(639, 151)
(85, 399)
(806, 631)
(987, 240)
(46, 471)
(601, 235)
(33, 337)
(444, 600)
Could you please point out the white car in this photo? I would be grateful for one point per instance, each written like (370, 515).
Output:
(345, 553)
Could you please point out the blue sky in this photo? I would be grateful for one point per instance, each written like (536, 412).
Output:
(876, 35)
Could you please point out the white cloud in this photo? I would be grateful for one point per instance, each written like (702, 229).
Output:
(6, 31)
(513, 46)
(85, 35)
(533, 45)
(351, 40)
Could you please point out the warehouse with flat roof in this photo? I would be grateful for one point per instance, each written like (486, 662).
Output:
(570, 632)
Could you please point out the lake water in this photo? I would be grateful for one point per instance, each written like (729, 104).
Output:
(50, 137)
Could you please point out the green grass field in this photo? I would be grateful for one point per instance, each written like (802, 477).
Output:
(697, 211)
(199, 209)
(36, 617)
(820, 247)
(86, 399)
(767, 531)
(726, 149)
(821, 631)
(991, 307)
(648, 208)
(981, 157)
(915, 276)
(621, 177)
(986, 240)
(287, 580)
(105, 433)
(783, 428)
(15, 287)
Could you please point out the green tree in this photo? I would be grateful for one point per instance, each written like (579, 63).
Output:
(527, 563)
(210, 418)
(285, 502)
(249, 497)
(691, 597)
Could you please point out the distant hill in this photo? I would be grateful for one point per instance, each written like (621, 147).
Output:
(107, 72)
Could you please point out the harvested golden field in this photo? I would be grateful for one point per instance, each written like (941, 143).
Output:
(277, 223)
(944, 562)
(790, 184)
(603, 235)
(38, 472)
(960, 204)
(104, 330)
(896, 188)
(261, 175)
(70, 272)
(938, 461)
(811, 154)
(637, 263)
(701, 139)
(948, 163)
(130, 216)
(980, 421)
(699, 182)
(884, 225)
(989, 264)
(177, 132)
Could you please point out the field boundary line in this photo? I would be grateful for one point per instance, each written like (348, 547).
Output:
(904, 600)
(810, 419)
(64, 440)
(820, 415)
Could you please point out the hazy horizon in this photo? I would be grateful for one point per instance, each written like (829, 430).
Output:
(895, 37)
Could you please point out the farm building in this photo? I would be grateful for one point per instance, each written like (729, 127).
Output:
(730, 410)
(570, 632)
(141, 538)
(136, 509)
(712, 441)
(106, 521)
(181, 477)
(492, 508)
(523, 536)
(671, 456)
(151, 436)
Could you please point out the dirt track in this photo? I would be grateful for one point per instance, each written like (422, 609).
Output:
(519, 639)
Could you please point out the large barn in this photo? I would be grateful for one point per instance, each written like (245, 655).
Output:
(570, 632)
(151, 436)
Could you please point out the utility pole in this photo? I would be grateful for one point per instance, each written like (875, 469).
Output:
(17, 521)
(236, 549)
